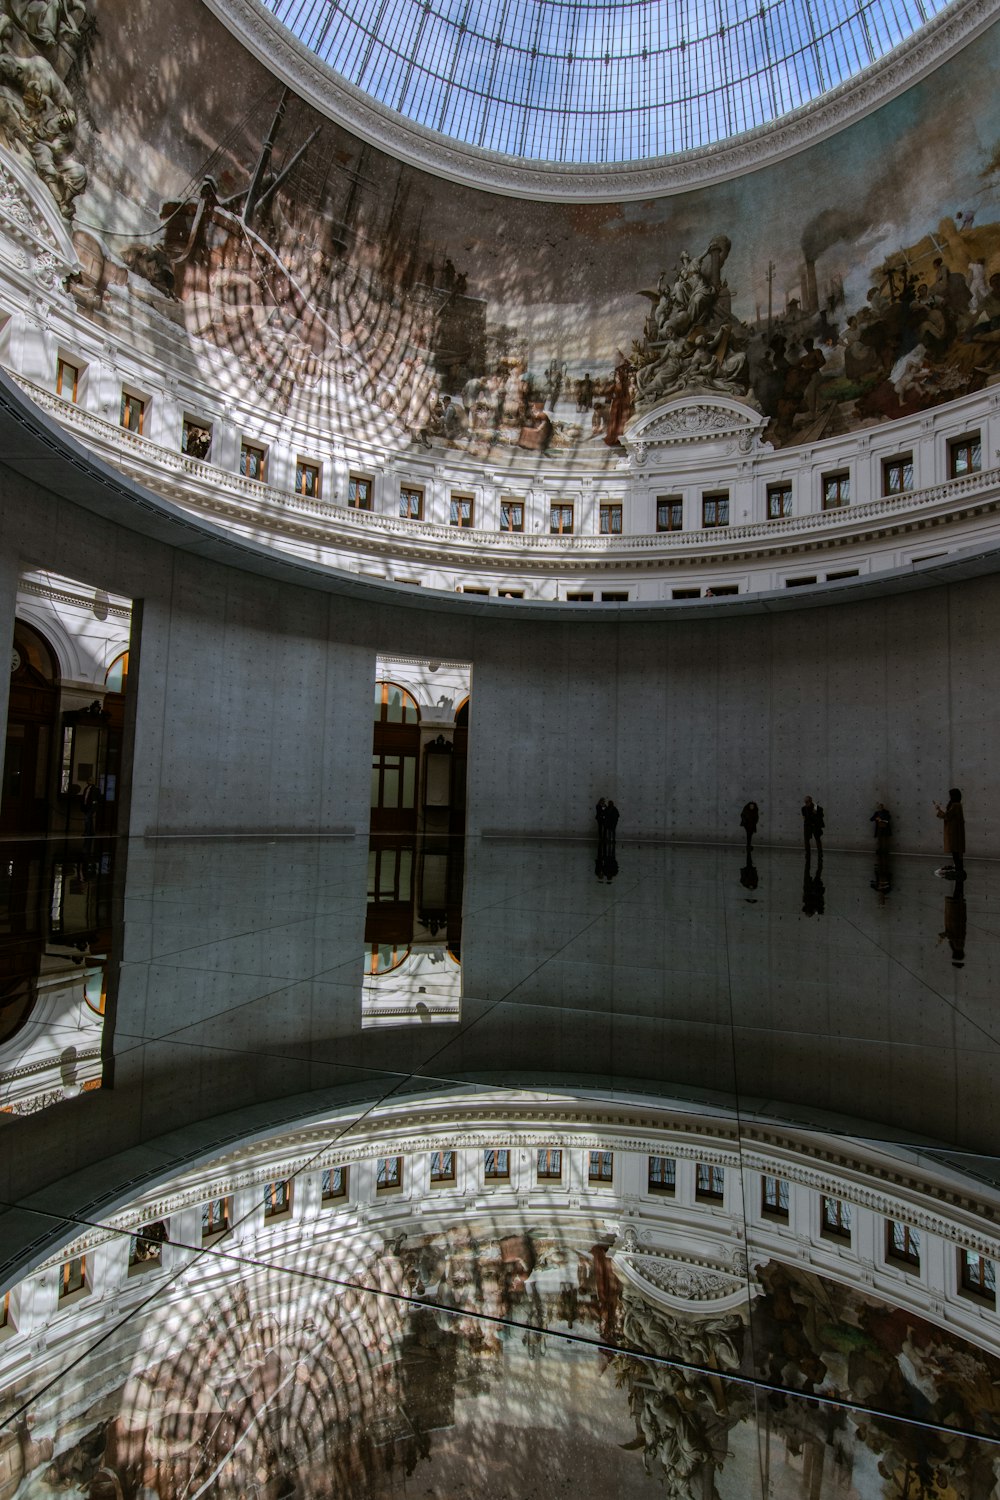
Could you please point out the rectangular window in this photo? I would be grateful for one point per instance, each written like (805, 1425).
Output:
(253, 462)
(842, 573)
(146, 1249)
(798, 583)
(133, 412)
(774, 1197)
(580, 598)
(73, 1276)
(5, 1317)
(779, 501)
(662, 1176)
(359, 493)
(307, 480)
(835, 1218)
(602, 1166)
(496, 1164)
(715, 509)
(836, 490)
(411, 503)
(511, 515)
(902, 1244)
(510, 593)
(216, 1217)
(277, 1199)
(561, 520)
(669, 513)
(196, 438)
(685, 593)
(720, 590)
(67, 380)
(388, 1174)
(965, 456)
(611, 520)
(978, 1275)
(334, 1184)
(472, 588)
(897, 475)
(461, 510)
(709, 1182)
(614, 597)
(549, 1165)
(442, 1166)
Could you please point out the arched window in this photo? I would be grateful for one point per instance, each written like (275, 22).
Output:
(116, 676)
(382, 958)
(394, 705)
(462, 714)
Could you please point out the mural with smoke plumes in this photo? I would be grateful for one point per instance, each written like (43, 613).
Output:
(854, 282)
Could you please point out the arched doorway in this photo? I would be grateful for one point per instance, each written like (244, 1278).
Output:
(31, 719)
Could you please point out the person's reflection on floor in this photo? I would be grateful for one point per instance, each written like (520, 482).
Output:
(882, 879)
(955, 922)
(813, 889)
(748, 878)
(606, 863)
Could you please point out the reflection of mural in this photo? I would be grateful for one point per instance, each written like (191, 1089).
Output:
(401, 306)
(476, 1355)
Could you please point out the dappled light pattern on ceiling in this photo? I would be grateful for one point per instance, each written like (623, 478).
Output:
(569, 81)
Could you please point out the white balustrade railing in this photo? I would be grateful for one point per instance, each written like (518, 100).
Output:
(204, 486)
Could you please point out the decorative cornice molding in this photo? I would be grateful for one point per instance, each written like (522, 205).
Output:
(30, 219)
(286, 57)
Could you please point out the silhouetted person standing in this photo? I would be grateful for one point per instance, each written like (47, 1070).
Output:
(601, 814)
(749, 819)
(611, 816)
(954, 834)
(813, 823)
(882, 819)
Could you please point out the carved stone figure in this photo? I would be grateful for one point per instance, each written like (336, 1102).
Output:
(691, 342)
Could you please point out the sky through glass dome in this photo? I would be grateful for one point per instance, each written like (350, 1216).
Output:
(598, 80)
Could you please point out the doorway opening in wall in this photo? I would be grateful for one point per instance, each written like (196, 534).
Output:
(63, 769)
(416, 863)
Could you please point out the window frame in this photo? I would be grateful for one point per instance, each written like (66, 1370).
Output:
(353, 482)
(908, 1254)
(675, 504)
(511, 503)
(411, 502)
(605, 1174)
(278, 1196)
(303, 467)
(774, 1203)
(456, 500)
(206, 426)
(783, 492)
(448, 1176)
(610, 510)
(62, 363)
(259, 453)
(904, 463)
(981, 1287)
(718, 499)
(835, 489)
(666, 1188)
(391, 1169)
(550, 1173)
(215, 1231)
(328, 1195)
(842, 1225)
(564, 508)
(971, 441)
(496, 1175)
(128, 397)
(70, 1289)
(711, 1193)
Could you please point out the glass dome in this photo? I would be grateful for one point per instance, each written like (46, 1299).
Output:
(600, 81)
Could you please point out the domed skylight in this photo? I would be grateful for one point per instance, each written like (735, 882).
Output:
(598, 80)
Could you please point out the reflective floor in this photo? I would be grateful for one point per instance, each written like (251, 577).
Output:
(667, 1174)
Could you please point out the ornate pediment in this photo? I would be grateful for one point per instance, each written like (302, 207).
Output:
(681, 1284)
(695, 419)
(33, 227)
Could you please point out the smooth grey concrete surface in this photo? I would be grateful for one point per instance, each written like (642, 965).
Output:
(252, 700)
(238, 1004)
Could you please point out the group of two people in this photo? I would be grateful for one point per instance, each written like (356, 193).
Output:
(607, 821)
